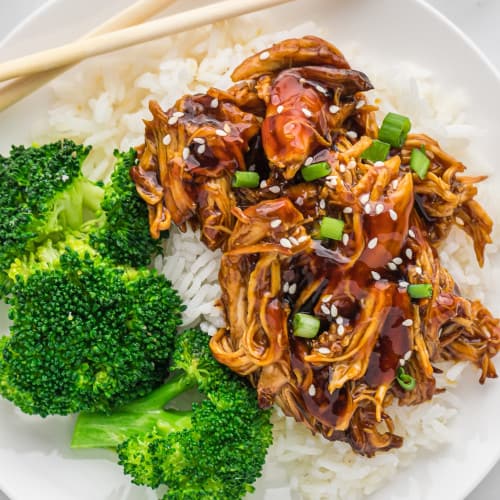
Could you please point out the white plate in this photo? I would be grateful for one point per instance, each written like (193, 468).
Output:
(35, 458)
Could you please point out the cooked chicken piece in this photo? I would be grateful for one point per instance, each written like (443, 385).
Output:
(298, 118)
(446, 199)
(186, 166)
(290, 53)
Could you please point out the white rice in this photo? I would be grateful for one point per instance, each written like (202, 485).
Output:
(107, 110)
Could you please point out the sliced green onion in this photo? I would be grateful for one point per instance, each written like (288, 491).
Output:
(420, 291)
(405, 380)
(377, 151)
(394, 129)
(331, 228)
(246, 179)
(305, 325)
(419, 162)
(315, 171)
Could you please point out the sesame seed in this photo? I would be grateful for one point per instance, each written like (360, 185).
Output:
(372, 243)
(393, 214)
(280, 108)
(395, 183)
(352, 164)
(326, 298)
(252, 167)
(409, 253)
(407, 322)
(351, 134)
(325, 309)
(64, 177)
(227, 128)
(307, 113)
(459, 221)
(411, 233)
(303, 238)
(275, 223)
(364, 198)
(172, 120)
(347, 210)
(286, 287)
(322, 204)
(293, 240)
(376, 276)
(340, 330)
(345, 239)
(324, 350)
(285, 242)
(264, 55)
(308, 161)
(360, 104)
(440, 332)
(333, 109)
(342, 168)
(333, 310)
(407, 356)
(312, 390)
(299, 201)
(212, 330)
(402, 362)
(293, 288)
(418, 269)
(167, 139)
(403, 284)
(302, 81)
(220, 132)
(201, 149)
(379, 208)
(392, 266)
(215, 103)
(397, 260)
(199, 140)
(275, 189)
(178, 114)
(368, 208)
(379, 164)
(185, 153)
(331, 181)
(321, 89)
(339, 320)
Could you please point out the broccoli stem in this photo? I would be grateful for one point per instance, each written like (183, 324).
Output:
(157, 399)
(92, 195)
(98, 430)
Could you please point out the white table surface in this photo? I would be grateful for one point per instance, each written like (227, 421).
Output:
(479, 19)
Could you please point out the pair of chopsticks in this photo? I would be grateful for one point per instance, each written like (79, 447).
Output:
(121, 31)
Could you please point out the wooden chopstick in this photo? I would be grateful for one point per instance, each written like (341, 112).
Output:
(82, 49)
(137, 13)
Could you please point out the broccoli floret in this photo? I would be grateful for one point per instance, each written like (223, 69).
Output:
(215, 451)
(44, 196)
(123, 235)
(85, 334)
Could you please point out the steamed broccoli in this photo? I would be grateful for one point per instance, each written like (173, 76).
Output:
(44, 196)
(121, 230)
(216, 451)
(85, 334)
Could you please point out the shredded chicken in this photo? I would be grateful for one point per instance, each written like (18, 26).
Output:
(299, 103)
